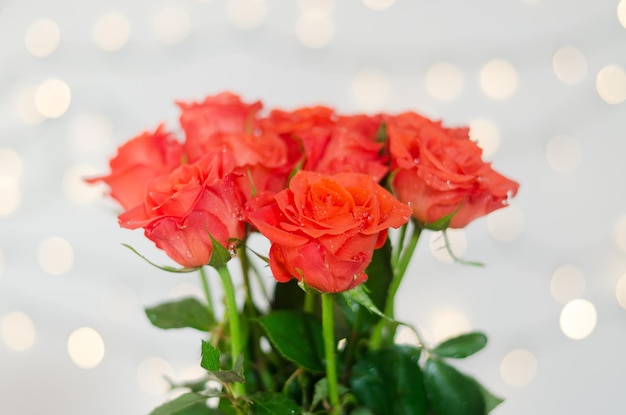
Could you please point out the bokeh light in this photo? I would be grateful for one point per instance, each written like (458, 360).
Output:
(111, 31)
(506, 224)
(444, 81)
(449, 324)
(611, 84)
(247, 14)
(567, 283)
(52, 98)
(621, 12)
(10, 195)
(371, 89)
(498, 79)
(518, 368)
(315, 31)
(458, 245)
(172, 24)
(378, 4)
(405, 335)
(17, 331)
(151, 375)
(42, 37)
(578, 319)
(620, 291)
(564, 154)
(86, 348)
(619, 233)
(570, 65)
(26, 109)
(10, 164)
(316, 7)
(55, 256)
(486, 134)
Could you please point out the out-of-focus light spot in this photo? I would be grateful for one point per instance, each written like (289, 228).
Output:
(91, 133)
(316, 7)
(620, 291)
(26, 109)
(578, 319)
(10, 195)
(444, 81)
(10, 163)
(172, 24)
(52, 98)
(458, 245)
(570, 65)
(111, 32)
(567, 283)
(371, 89)
(405, 335)
(42, 37)
(17, 331)
(151, 375)
(55, 256)
(75, 187)
(485, 132)
(247, 14)
(186, 290)
(621, 12)
(518, 368)
(450, 324)
(506, 224)
(315, 31)
(85, 347)
(619, 233)
(498, 79)
(378, 4)
(611, 84)
(564, 154)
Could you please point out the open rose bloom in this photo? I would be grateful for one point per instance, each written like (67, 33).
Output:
(234, 172)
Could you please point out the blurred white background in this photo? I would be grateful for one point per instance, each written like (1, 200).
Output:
(542, 83)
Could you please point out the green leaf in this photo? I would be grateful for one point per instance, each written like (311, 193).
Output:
(161, 267)
(297, 336)
(389, 381)
(220, 254)
(461, 346)
(199, 408)
(188, 312)
(210, 357)
(231, 376)
(491, 400)
(450, 392)
(273, 403)
(179, 404)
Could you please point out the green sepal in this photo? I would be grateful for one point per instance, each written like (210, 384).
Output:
(360, 296)
(161, 267)
(451, 392)
(220, 254)
(187, 312)
(381, 134)
(462, 346)
(297, 336)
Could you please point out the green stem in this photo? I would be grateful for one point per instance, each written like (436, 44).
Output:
(398, 249)
(309, 303)
(329, 352)
(233, 320)
(385, 329)
(207, 293)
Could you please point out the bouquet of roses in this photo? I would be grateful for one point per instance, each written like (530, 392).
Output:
(324, 189)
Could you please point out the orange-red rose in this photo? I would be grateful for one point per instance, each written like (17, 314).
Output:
(182, 209)
(324, 229)
(139, 161)
(439, 172)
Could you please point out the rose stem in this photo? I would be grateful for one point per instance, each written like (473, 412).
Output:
(233, 319)
(329, 352)
(207, 293)
(398, 274)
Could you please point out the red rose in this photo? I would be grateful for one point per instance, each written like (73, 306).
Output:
(139, 161)
(182, 209)
(324, 229)
(203, 122)
(439, 171)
